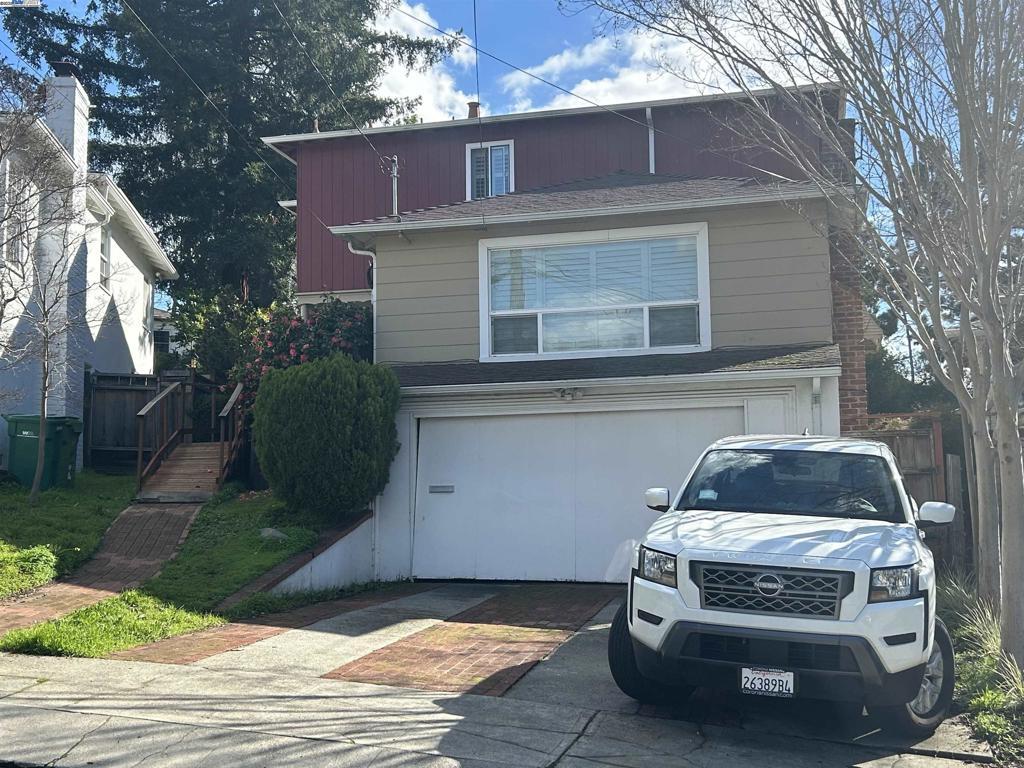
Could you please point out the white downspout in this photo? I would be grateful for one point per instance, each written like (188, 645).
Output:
(372, 256)
(650, 140)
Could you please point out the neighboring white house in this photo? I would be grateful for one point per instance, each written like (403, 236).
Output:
(115, 262)
(166, 340)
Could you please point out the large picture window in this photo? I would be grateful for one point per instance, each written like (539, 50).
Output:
(619, 294)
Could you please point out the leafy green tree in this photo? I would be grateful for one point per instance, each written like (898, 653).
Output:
(199, 181)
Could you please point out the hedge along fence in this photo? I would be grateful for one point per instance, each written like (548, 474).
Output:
(325, 433)
(286, 340)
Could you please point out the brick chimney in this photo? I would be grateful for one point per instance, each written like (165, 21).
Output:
(67, 111)
(474, 109)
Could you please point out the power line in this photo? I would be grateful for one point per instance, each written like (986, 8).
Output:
(384, 164)
(249, 145)
(463, 41)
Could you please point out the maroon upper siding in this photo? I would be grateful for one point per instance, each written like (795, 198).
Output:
(340, 180)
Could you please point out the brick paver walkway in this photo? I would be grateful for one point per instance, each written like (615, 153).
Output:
(486, 649)
(187, 649)
(134, 548)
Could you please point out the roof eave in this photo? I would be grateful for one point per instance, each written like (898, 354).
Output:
(275, 142)
(144, 235)
(379, 228)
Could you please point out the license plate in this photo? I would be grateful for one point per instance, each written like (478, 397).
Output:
(767, 682)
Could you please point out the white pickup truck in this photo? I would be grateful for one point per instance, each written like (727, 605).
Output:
(789, 566)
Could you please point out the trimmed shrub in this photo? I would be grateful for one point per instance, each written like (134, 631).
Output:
(286, 339)
(325, 433)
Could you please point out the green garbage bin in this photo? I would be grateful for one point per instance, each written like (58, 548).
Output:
(61, 446)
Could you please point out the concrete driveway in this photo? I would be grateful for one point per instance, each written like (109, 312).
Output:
(530, 688)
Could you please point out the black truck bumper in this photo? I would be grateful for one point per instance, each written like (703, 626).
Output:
(832, 667)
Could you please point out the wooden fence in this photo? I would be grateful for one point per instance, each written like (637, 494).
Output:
(930, 475)
(110, 437)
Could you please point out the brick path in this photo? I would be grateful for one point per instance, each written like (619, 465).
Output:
(134, 548)
(187, 649)
(486, 649)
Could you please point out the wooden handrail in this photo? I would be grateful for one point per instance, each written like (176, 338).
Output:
(167, 438)
(226, 411)
(153, 403)
(232, 430)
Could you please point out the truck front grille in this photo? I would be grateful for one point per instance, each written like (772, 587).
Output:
(781, 591)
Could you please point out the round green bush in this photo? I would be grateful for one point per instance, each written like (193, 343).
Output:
(325, 433)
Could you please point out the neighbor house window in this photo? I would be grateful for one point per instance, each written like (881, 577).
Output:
(490, 169)
(105, 257)
(162, 342)
(616, 293)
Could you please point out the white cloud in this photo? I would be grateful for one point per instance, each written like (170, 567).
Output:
(633, 67)
(440, 97)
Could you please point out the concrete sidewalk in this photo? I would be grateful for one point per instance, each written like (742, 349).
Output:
(77, 712)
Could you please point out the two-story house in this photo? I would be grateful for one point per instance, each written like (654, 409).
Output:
(108, 261)
(576, 303)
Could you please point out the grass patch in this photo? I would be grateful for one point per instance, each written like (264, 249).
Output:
(224, 550)
(69, 522)
(989, 685)
(22, 569)
(130, 619)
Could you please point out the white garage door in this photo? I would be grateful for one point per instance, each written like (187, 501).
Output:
(549, 497)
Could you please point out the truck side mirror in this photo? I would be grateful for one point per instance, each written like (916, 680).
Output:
(657, 499)
(936, 513)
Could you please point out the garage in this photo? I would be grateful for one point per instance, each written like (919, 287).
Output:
(550, 496)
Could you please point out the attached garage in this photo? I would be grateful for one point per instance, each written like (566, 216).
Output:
(542, 478)
(550, 496)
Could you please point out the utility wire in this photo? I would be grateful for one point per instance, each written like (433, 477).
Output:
(463, 41)
(248, 143)
(385, 165)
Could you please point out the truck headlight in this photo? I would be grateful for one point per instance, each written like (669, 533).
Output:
(657, 566)
(893, 584)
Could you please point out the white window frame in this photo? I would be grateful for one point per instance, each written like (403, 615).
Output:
(487, 145)
(105, 257)
(150, 296)
(700, 229)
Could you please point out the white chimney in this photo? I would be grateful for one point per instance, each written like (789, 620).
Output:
(67, 111)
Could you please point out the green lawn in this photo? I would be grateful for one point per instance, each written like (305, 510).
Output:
(68, 522)
(223, 552)
(125, 621)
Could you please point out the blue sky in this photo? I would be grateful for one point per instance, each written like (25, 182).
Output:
(533, 34)
(568, 49)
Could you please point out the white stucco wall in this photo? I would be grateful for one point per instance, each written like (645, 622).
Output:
(120, 340)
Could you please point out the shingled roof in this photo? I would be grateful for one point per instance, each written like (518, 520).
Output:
(621, 192)
(718, 361)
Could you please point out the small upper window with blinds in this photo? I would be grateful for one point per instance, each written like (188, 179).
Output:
(574, 298)
(489, 169)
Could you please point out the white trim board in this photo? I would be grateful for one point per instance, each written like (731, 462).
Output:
(540, 114)
(625, 381)
(698, 229)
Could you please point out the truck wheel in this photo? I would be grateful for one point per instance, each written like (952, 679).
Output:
(622, 662)
(921, 716)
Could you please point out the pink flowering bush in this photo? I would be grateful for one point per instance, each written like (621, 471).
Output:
(285, 340)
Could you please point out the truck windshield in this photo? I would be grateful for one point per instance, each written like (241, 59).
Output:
(818, 483)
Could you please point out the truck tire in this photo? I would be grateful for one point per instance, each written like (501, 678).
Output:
(622, 662)
(921, 716)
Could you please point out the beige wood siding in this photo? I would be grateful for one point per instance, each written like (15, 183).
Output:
(769, 281)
